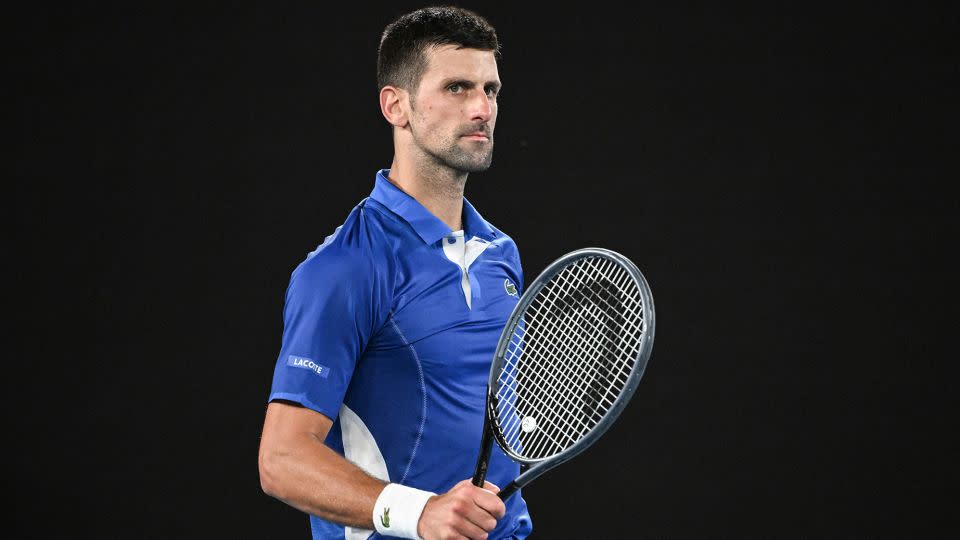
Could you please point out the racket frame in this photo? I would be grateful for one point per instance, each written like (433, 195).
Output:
(536, 467)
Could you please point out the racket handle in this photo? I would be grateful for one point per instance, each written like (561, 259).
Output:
(484, 458)
(479, 477)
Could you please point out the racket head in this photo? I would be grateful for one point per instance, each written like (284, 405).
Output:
(583, 292)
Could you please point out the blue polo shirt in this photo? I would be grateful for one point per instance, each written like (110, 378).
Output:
(390, 327)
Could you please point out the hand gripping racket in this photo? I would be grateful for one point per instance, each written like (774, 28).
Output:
(568, 361)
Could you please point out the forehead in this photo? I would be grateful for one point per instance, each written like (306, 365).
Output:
(449, 62)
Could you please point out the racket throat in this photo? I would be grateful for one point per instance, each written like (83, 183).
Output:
(508, 490)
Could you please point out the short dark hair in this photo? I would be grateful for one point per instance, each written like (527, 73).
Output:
(401, 60)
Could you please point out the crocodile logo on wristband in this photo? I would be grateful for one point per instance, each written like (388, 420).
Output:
(385, 518)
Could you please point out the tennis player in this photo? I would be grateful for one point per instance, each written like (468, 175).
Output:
(376, 409)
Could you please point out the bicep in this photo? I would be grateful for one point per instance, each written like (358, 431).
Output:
(288, 425)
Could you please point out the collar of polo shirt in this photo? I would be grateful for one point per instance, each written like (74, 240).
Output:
(428, 226)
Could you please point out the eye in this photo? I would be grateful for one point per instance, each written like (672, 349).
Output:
(455, 88)
(492, 91)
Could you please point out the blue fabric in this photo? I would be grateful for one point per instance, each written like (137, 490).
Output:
(375, 318)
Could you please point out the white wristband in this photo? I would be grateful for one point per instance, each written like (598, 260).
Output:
(397, 511)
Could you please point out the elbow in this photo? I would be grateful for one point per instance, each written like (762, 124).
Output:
(269, 481)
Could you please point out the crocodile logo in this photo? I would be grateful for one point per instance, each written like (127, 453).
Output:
(510, 287)
(385, 518)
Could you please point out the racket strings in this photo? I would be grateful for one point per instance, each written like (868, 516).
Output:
(569, 358)
(629, 326)
(565, 326)
(570, 327)
(567, 421)
(587, 378)
(587, 349)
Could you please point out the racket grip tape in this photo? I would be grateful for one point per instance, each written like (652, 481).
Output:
(484, 458)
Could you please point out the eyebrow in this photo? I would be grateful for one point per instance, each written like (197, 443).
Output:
(469, 84)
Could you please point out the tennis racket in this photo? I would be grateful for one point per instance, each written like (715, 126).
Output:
(568, 361)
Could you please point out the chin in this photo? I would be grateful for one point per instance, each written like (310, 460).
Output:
(470, 163)
(480, 166)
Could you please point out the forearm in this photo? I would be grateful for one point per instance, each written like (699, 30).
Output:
(313, 478)
(297, 468)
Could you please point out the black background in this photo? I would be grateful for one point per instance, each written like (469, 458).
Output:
(779, 175)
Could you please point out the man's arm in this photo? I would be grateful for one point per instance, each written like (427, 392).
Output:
(300, 470)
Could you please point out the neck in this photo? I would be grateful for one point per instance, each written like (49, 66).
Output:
(438, 189)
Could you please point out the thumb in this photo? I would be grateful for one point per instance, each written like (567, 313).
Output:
(490, 486)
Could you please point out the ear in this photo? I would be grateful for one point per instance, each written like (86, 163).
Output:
(394, 105)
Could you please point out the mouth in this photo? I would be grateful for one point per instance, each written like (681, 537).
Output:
(477, 136)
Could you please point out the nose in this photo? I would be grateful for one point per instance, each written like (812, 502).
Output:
(481, 107)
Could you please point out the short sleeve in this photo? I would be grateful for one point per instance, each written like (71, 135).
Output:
(518, 267)
(335, 302)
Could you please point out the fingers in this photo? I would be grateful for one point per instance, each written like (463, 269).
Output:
(487, 485)
(465, 510)
(490, 486)
(487, 500)
(471, 530)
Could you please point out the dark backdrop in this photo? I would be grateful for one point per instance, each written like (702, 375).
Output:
(779, 175)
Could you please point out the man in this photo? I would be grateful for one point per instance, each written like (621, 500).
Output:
(376, 410)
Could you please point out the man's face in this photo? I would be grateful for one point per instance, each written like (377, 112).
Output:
(455, 108)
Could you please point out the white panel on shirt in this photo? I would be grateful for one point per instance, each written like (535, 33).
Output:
(360, 448)
(463, 254)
